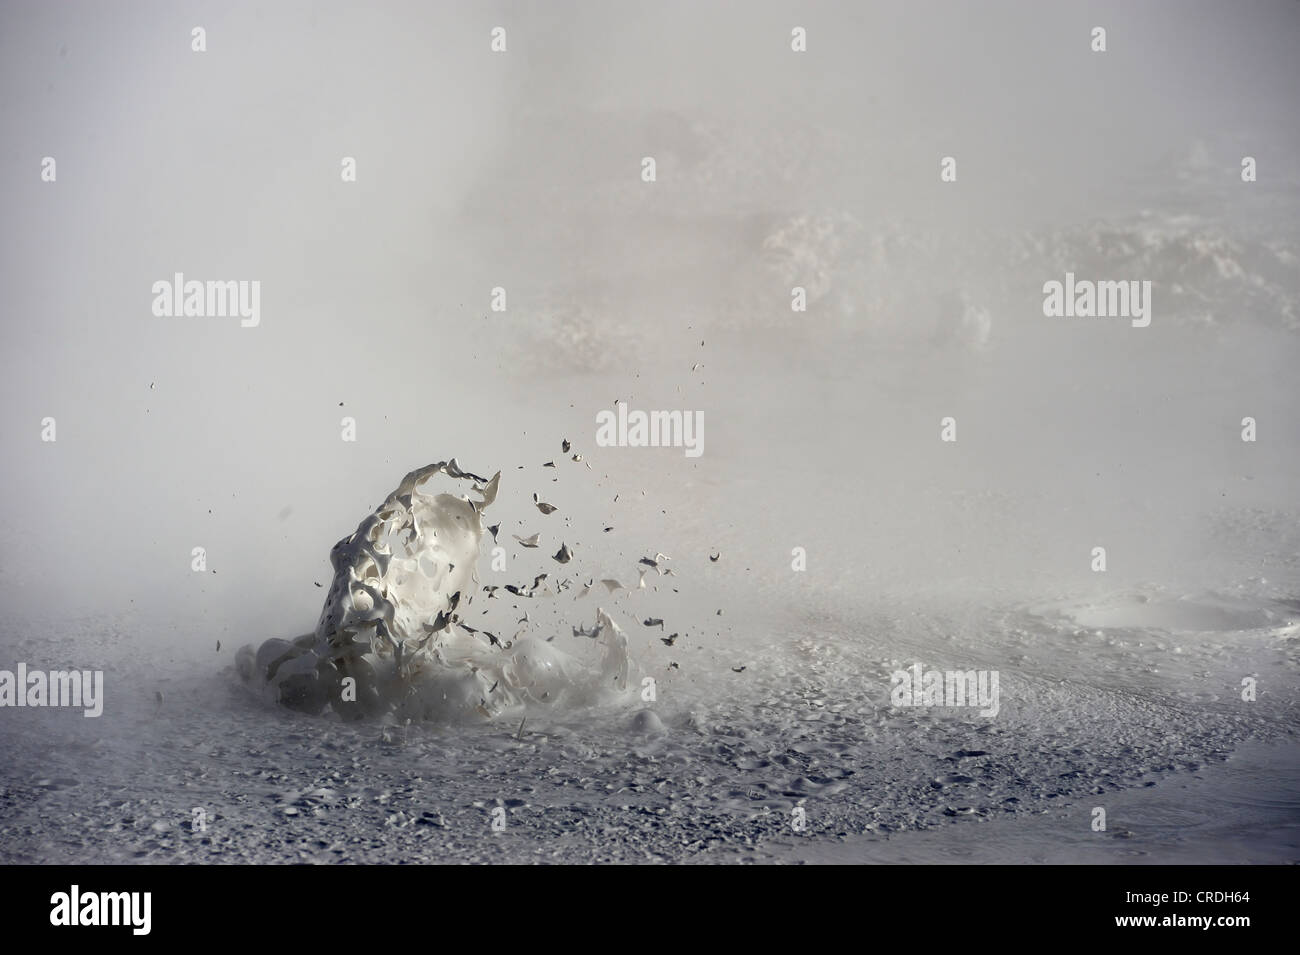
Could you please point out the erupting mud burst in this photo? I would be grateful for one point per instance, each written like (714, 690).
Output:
(390, 638)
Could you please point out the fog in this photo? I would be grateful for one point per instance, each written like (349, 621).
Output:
(522, 170)
(837, 266)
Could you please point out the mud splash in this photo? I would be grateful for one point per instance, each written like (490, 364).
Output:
(391, 639)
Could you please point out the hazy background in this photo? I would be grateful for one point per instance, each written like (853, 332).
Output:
(522, 170)
(821, 429)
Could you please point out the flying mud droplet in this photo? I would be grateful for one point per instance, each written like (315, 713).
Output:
(656, 563)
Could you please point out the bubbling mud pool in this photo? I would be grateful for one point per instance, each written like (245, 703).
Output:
(391, 640)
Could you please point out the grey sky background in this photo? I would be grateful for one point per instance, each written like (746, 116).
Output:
(478, 170)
